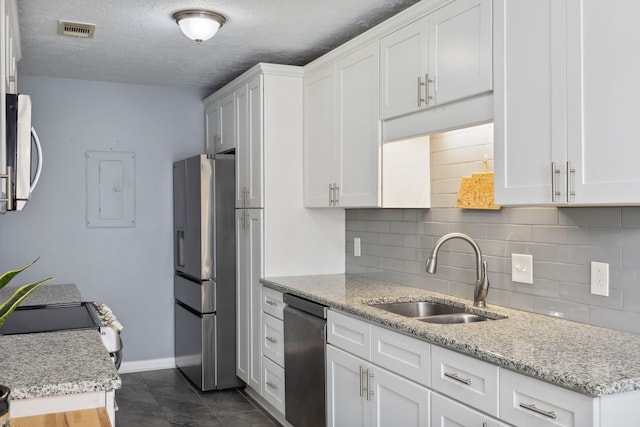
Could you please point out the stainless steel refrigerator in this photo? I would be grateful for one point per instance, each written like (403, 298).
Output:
(205, 270)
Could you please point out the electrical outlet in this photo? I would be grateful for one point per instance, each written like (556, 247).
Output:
(600, 278)
(356, 246)
(522, 268)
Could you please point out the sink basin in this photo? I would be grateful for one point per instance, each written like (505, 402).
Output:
(454, 318)
(419, 308)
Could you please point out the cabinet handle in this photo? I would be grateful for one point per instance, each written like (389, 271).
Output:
(271, 340)
(369, 389)
(420, 84)
(272, 385)
(532, 407)
(455, 377)
(427, 96)
(330, 194)
(361, 382)
(570, 173)
(484, 424)
(271, 302)
(336, 194)
(554, 182)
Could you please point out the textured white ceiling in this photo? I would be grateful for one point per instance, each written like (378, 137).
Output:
(137, 41)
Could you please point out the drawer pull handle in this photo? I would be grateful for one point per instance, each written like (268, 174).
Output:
(369, 389)
(271, 302)
(272, 385)
(532, 407)
(455, 377)
(271, 340)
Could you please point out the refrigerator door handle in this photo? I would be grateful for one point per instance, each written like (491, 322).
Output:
(180, 248)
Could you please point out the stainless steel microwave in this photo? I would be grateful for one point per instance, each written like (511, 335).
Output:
(22, 168)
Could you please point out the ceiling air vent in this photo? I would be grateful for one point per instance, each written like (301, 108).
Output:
(76, 29)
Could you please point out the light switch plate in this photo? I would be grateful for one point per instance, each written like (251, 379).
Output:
(356, 246)
(522, 268)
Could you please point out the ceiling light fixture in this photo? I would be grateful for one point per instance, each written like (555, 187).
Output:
(199, 25)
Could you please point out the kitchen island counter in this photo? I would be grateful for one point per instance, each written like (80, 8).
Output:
(54, 365)
(591, 360)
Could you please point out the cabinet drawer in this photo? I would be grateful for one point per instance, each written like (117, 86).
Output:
(401, 354)
(446, 412)
(349, 334)
(272, 302)
(273, 384)
(273, 338)
(528, 401)
(465, 379)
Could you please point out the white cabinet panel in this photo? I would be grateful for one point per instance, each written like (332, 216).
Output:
(359, 135)
(465, 378)
(273, 339)
(319, 136)
(402, 70)
(527, 401)
(345, 403)
(212, 126)
(398, 402)
(460, 50)
(249, 150)
(449, 413)
(401, 354)
(227, 111)
(272, 303)
(273, 386)
(249, 265)
(350, 334)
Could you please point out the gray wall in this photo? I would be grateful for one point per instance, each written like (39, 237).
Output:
(129, 269)
(563, 242)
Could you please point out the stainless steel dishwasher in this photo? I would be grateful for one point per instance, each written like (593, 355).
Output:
(304, 361)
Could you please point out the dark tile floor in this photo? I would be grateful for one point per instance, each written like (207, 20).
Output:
(165, 398)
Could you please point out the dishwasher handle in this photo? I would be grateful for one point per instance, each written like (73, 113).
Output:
(305, 305)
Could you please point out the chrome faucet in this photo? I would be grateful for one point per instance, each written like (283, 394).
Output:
(482, 279)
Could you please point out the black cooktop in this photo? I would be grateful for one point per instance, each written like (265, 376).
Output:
(50, 318)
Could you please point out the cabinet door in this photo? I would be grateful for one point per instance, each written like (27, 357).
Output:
(319, 135)
(397, 401)
(460, 50)
(602, 97)
(529, 100)
(227, 124)
(249, 291)
(403, 65)
(359, 133)
(449, 413)
(249, 145)
(346, 405)
(243, 286)
(212, 127)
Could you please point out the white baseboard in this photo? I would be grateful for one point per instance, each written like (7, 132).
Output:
(147, 365)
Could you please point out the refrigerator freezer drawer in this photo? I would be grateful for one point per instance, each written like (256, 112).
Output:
(195, 346)
(200, 296)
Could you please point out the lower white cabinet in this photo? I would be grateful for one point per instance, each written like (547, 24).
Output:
(273, 384)
(362, 394)
(527, 401)
(449, 413)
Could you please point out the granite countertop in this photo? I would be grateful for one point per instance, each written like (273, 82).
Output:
(589, 359)
(55, 363)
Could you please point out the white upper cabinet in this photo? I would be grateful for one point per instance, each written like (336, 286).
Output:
(212, 126)
(602, 110)
(249, 149)
(358, 128)
(403, 69)
(319, 136)
(227, 124)
(564, 109)
(342, 132)
(443, 57)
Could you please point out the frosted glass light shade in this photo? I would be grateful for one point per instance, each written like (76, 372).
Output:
(199, 25)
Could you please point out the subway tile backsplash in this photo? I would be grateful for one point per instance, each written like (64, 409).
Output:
(562, 241)
(396, 250)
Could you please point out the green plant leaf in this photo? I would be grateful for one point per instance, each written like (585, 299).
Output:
(19, 295)
(6, 277)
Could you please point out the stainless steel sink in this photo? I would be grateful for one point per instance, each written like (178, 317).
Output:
(418, 308)
(431, 312)
(454, 318)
